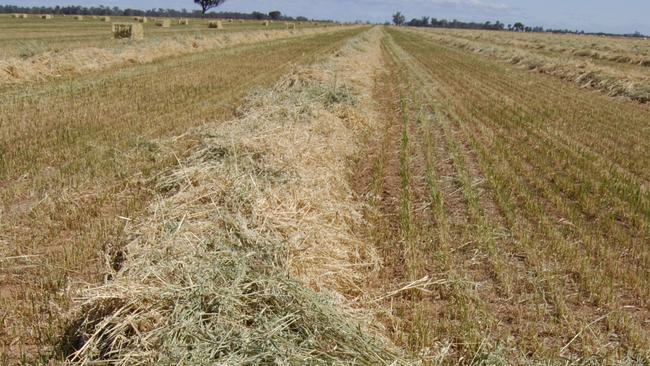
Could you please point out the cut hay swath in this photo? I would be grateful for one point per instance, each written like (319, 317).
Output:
(606, 79)
(42, 66)
(248, 254)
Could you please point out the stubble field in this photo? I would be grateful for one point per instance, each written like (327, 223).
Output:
(344, 195)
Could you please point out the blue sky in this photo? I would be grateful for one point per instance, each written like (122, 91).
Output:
(621, 16)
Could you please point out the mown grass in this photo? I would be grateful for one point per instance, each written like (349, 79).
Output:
(537, 212)
(614, 74)
(77, 156)
(602, 50)
(33, 36)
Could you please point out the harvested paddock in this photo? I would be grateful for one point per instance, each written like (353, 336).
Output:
(44, 66)
(254, 224)
(564, 62)
(115, 154)
(32, 36)
(324, 196)
(509, 215)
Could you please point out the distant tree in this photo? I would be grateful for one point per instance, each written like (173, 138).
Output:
(275, 15)
(518, 27)
(425, 21)
(399, 18)
(208, 4)
(259, 16)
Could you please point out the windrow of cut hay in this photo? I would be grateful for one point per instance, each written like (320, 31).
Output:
(613, 49)
(52, 64)
(609, 80)
(249, 256)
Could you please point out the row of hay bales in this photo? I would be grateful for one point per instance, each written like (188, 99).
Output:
(165, 23)
(50, 16)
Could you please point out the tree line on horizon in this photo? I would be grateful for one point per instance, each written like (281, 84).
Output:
(400, 20)
(160, 12)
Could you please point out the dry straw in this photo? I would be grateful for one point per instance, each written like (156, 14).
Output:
(49, 64)
(609, 80)
(250, 250)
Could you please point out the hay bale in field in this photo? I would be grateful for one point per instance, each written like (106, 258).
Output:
(265, 23)
(241, 20)
(165, 23)
(133, 31)
(291, 26)
(142, 19)
(106, 19)
(183, 22)
(78, 17)
(22, 16)
(215, 24)
(230, 20)
(47, 16)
